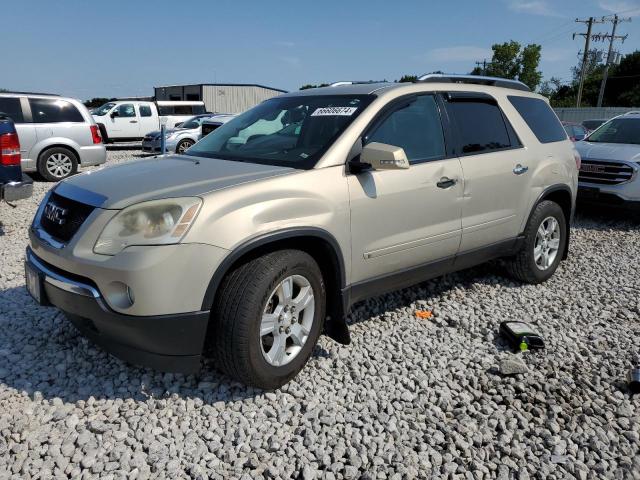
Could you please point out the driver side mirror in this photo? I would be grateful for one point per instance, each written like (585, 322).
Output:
(384, 157)
(114, 114)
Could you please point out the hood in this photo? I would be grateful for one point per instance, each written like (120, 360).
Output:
(119, 186)
(608, 151)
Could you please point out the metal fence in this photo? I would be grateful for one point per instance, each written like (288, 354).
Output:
(591, 113)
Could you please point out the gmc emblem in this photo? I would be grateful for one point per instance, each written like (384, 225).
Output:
(55, 214)
(585, 167)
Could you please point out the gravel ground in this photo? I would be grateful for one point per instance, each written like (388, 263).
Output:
(410, 398)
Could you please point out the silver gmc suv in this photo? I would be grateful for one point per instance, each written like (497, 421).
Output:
(609, 174)
(57, 134)
(250, 245)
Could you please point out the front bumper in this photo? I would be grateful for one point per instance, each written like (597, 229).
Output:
(14, 191)
(153, 146)
(171, 343)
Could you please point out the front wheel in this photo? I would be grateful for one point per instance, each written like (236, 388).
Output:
(544, 244)
(268, 316)
(184, 145)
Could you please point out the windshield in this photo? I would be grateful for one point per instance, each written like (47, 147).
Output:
(618, 130)
(193, 122)
(592, 124)
(103, 109)
(286, 131)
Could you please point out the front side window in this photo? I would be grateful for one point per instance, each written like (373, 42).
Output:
(145, 110)
(540, 118)
(415, 126)
(284, 131)
(11, 107)
(618, 130)
(104, 109)
(126, 110)
(481, 126)
(48, 110)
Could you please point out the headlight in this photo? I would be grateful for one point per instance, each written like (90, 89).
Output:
(158, 222)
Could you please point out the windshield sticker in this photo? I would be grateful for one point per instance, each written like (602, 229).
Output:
(332, 111)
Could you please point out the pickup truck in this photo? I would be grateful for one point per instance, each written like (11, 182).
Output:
(14, 185)
(131, 120)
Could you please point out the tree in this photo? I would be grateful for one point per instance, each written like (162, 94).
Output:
(510, 60)
(408, 79)
(623, 85)
(308, 86)
(97, 102)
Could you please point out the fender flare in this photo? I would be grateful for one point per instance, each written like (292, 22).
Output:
(336, 327)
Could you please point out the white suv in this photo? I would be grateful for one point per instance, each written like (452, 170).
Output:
(264, 233)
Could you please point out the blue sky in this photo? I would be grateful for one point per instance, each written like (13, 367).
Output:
(120, 48)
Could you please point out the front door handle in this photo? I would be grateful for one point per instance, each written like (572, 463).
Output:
(519, 169)
(446, 182)
(133, 121)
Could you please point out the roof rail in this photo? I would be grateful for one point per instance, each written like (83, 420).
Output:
(29, 93)
(354, 82)
(632, 112)
(477, 79)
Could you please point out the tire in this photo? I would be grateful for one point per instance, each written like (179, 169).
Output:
(247, 296)
(531, 265)
(103, 134)
(183, 145)
(57, 163)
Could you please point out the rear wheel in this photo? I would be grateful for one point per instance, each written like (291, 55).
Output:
(57, 163)
(269, 315)
(544, 244)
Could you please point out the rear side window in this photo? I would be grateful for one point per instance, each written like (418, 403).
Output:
(415, 126)
(145, 111)
(540, 118)
(11, 107)
(47, 110)
(481, 126)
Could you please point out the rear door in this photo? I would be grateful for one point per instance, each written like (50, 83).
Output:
(497, 170)
(148, 118)
(404, 219)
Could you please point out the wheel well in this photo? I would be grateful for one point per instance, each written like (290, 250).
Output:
(563, 198)
(321, 250)
(66, 147)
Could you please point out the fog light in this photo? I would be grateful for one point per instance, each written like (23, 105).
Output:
(119, 295)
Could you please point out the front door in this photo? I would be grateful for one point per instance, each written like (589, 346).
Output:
(403, 219)
(125, 122)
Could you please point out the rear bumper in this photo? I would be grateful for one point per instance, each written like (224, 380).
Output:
(93, 155)
(171, 343)
(13, 191)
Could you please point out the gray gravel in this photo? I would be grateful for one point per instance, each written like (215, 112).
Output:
(410, 398)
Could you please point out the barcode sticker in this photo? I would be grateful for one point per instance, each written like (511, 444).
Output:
(332, 111)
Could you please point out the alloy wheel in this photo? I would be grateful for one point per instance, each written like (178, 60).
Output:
(59, 165)
(287, 320)
(547, 243)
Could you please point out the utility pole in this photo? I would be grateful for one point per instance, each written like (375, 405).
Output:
(484, 66)
(613, 37)
(585, 57)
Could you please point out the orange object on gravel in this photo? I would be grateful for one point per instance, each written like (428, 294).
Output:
(424, 314)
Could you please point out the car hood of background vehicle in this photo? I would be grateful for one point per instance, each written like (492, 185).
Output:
(608, 151)
(119, 186)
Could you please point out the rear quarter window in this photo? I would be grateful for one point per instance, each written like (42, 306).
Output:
(45, 110)
(11, 107)
(540, 118)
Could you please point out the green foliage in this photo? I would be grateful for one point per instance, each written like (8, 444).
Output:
(408, 79)
(510, 60)
(97, 102)
(308, 86)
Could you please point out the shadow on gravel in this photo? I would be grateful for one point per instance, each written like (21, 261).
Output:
(2, 232)
(43, 356)
(123, 146)
(593, 217)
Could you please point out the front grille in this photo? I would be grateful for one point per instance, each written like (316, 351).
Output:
(70, 216)
(604, 173)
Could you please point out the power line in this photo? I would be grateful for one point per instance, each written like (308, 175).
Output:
(587, 40)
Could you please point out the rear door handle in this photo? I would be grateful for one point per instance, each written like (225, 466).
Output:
(446, 182)
(519, 169)
(133, 121)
